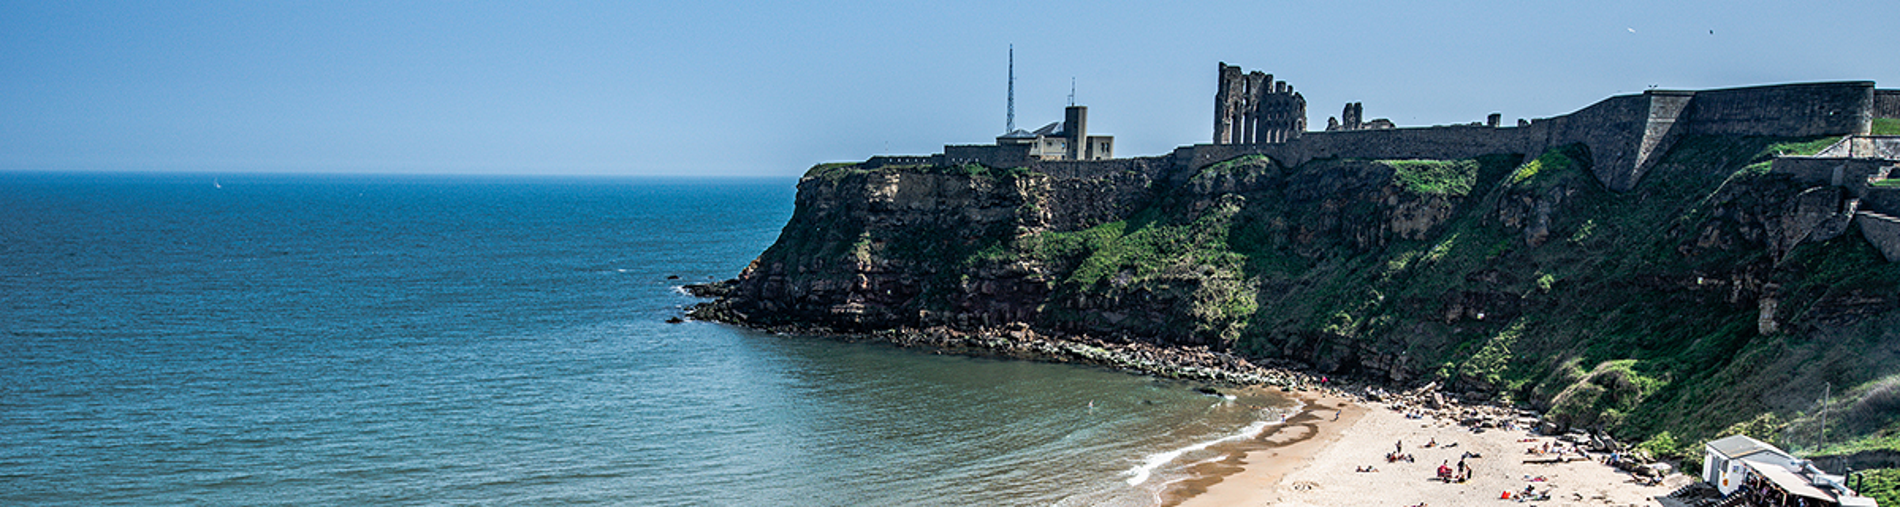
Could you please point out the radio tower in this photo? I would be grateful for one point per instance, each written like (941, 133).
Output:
(1009, 124)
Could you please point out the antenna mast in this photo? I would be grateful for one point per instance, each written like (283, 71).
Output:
(1010, 124)
(1071, 91)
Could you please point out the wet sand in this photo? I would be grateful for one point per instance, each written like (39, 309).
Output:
(1311, 461)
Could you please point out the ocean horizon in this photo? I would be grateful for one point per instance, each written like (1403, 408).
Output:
(346, 339)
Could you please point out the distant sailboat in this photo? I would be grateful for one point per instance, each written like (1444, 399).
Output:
(214, 183)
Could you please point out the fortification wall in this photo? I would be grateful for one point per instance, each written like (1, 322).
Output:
(1085, 193)
(1624, 135)
(1443, 142)
(1189, 158)
(1882, 200)
(1883, 231)
(1849, 173)
(1156, 168)
(1611, 130)
(1794, 110)
(891, 160)
(1887, 104)
(987, 154)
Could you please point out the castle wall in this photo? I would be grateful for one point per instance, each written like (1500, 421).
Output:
(1442, 142)
(1624, 135)
(1849, 173)
(1008, 155)
(1883, 231)
(1084, 194)
(1794, 110)
(1887, 104)
(1883, 200)
(891, 160)
(1612, 130)
(1201, 155)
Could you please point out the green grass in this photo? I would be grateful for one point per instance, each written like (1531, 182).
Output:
(1882, 485)
(835, 171)
(1440, 177)
(1886, 127)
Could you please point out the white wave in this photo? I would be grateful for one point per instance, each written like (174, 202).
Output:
(1141, 473)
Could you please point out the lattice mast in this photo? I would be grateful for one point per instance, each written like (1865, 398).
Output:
(1009, 124)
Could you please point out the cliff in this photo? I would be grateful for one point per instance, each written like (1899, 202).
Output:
(1711, 293)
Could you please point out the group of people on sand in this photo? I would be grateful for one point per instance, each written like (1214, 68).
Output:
(1530, 494)
(1398, 454)
(1450, 475)
(1558, 448)
(1445, 471)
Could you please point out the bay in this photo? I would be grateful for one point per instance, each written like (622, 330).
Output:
(267, 339)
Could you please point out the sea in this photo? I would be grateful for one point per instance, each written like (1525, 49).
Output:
(283, 339)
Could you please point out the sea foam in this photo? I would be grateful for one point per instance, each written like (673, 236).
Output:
(1141, 473)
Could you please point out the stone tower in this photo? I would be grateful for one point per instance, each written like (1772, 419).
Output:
(1075, 127)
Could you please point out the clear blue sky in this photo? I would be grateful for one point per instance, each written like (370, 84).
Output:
(726, 88)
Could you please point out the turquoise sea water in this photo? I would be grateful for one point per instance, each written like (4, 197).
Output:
(388, 340)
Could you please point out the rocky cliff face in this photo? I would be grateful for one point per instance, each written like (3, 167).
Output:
(1630, 311)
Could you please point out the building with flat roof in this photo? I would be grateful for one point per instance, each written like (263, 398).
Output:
(1763, 475)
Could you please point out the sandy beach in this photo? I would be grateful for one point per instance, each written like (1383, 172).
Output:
(1312, 461)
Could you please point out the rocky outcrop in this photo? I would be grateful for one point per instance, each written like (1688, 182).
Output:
(1490, 275)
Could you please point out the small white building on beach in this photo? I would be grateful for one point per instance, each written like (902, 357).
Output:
(1769, 476)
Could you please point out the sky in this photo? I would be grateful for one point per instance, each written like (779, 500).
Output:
(769, 89)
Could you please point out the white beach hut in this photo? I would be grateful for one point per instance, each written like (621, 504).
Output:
(1766, 475)
(1723, 464)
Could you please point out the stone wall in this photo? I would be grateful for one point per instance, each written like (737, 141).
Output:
(1444, 142)
(1848, 173)
(1078, 195)
(1624, 135)
(1007, 155)
(1887, 104)
(1611, 130)
(1882, 200)
(1793, 110)
(1883, 231)
(891, 160)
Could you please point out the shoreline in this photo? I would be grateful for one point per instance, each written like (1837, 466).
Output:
(1260, 464)
(1310, 459)
(1320, 469)
(1019, 341)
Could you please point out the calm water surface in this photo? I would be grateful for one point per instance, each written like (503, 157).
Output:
(356, 340)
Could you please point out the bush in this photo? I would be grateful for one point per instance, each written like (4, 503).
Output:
(1438, 177)
(1882, 485)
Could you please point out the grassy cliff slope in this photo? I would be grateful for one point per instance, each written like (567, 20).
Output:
(1705, 300)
